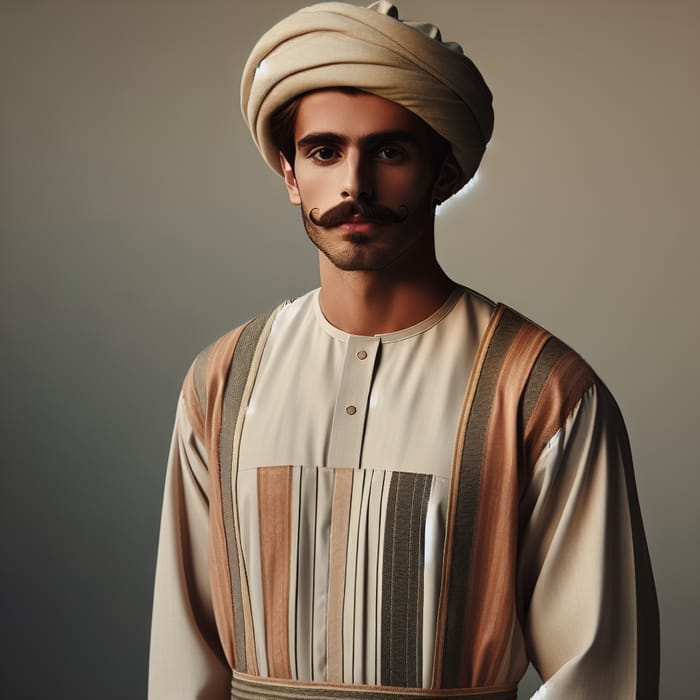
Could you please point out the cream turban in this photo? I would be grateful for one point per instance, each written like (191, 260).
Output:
(335, 44)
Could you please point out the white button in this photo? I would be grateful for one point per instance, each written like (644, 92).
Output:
(350, 410)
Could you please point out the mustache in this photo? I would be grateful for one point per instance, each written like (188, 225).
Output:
(343, 212)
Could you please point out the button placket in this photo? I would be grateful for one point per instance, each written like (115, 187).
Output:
(352, 399)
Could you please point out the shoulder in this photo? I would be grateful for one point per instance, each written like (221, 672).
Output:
(553, 377)
(208, 375)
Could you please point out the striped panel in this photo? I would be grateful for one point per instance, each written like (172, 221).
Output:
(274, 510)
(564, 377)
(337, 562)
(234, 386)
(203, 401)
(490, 617)
(402, 580)
(551, 353)
(466, 482)
(244, 687)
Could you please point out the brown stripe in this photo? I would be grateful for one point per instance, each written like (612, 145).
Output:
(275, 511)
(246, 687)
(235, 383)
(342, 492)
(194, 393)
(446, 574)
(219, 358)
(402, 580)
(565, 385)
(550, 355)
(467, 481)
(491, 599)
(419, 580)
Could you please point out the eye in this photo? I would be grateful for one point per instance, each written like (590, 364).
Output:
(390, 153)
(324, 154)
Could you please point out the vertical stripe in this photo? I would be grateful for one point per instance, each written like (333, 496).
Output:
(321, 606)
(466, 481)
(312, 622)
(402, 580)
(434, 545)
(567, 381)
(218, 361)
(419, 578)
(550, 355)
(297, 559)
(231, 404)
(342, 491)
(275, 516)
(379, 522)
(194, 388)
(491, 603)
(359, 573)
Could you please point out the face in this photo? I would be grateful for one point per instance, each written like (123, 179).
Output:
(365, 180)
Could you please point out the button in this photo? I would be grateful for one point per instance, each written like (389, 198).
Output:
(350, 410)
(361, 355)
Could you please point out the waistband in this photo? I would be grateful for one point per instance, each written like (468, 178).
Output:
(245, 687)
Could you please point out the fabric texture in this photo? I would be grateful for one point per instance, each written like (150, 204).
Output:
(336, 44)
(396, 583)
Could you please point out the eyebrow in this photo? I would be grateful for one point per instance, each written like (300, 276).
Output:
(325, 138)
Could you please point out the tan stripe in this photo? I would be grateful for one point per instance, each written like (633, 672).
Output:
(275, 509)
(217, 368)
(472, 384)
(247, 687)
(342, 490)
(567, 382)
(491, 603)
(193, 406)
(244, 594)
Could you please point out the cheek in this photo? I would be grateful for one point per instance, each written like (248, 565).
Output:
(314, 186)
(406, 187)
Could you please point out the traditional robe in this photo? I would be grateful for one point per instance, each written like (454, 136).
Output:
(415, 514)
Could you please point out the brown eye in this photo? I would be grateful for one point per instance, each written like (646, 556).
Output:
(323, 154)
(390, 153)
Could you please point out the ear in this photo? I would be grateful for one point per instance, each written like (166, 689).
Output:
(290, 180)
(447, 180)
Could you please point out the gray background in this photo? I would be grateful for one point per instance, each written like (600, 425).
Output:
(138, 223)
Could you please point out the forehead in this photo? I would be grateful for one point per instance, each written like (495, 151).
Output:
(354, 115)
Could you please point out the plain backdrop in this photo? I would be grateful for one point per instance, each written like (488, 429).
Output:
(138, 223)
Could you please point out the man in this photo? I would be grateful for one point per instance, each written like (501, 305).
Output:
(391, 486)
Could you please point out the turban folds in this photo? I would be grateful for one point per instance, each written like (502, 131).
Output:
(335, 44)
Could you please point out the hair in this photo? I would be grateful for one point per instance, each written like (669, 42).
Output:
(283, 122)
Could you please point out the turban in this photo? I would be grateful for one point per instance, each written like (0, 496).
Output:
(335, 44)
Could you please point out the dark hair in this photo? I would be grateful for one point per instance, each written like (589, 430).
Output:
(283, 121)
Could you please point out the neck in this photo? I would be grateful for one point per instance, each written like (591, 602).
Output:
(384, 301)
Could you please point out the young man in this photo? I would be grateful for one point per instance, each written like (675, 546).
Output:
(391, 486)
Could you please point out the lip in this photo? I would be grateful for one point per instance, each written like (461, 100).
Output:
(358, 224)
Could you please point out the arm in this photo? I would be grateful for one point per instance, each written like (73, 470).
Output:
(186, 659)
(586, 586)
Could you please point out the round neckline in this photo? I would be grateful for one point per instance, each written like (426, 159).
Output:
(395, 336)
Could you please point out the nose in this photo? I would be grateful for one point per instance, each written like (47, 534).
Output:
(357, 178)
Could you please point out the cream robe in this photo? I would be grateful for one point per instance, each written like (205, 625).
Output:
(364, 428)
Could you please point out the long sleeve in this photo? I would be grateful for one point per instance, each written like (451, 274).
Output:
(586, 587)
(186, 659)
